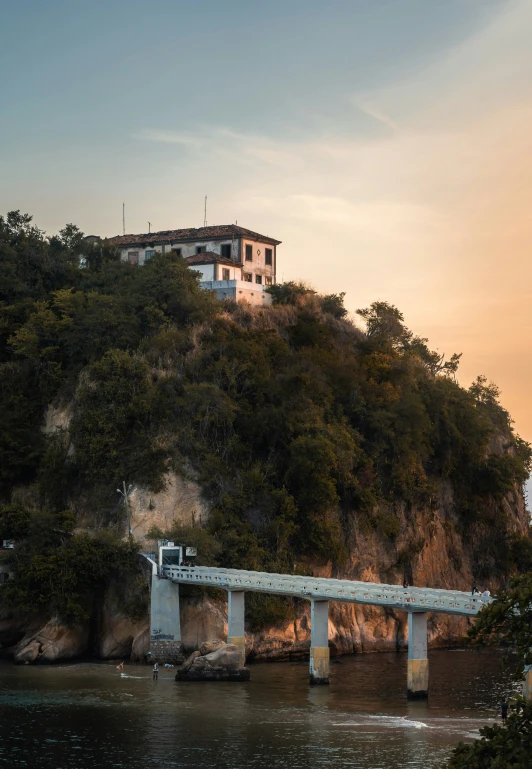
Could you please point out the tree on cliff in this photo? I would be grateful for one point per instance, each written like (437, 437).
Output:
(507, 622)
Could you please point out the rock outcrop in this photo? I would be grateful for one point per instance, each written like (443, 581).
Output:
(115, 629)
(202, 618)
(52, 643)
(141, 644)
(181, 500)
(214, 661)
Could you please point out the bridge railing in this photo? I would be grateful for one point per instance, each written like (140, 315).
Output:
(393, 596)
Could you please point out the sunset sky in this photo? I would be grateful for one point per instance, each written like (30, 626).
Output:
(387, 143)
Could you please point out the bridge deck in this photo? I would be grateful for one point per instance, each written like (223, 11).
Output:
(410, 599)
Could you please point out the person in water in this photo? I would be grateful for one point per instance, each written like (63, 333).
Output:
(504, 710)
(120, 667)
(155, 672)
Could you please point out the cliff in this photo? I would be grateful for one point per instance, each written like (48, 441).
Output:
(284, 439)
(441, 559)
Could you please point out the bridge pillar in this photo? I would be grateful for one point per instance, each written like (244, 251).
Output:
(165, 623)
(527, 683)
(319, 642)
(235, 620)
(418, 664)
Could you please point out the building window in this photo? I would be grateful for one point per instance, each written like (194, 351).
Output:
(148, 254)
(225, 275)
(201, 249)
(249, 252)
(177, 251)
(268, 280)
(226, 250)
(268, 256)
(133, 257)
(258, 278)
(248, 277)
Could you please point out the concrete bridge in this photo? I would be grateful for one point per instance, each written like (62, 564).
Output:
(417, 601)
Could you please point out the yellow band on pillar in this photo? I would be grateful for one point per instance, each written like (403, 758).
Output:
(319, 661)
(239, 641)
(418, 676)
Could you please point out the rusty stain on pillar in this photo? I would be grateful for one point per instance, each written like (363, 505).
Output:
(319, 642)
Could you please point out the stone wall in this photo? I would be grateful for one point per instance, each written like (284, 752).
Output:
(167, 651)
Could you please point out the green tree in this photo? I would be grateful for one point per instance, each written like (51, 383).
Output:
(500, 747)
(507, 621)
(291, 293)
(115, 421)
(59, 571)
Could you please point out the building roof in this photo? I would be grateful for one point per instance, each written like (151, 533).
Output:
(218, 232)
(209, 257)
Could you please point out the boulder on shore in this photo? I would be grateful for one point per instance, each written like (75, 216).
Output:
(28, 653)
(215, 661)
(207, 647)
(53, 642)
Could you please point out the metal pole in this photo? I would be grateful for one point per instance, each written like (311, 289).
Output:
(124, 493)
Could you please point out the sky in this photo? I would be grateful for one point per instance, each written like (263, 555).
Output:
(388, 144)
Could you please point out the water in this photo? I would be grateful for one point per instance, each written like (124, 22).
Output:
(88, 716)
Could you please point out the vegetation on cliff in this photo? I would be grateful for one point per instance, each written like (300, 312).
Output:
(500, 746)
(506, 621)
(58, 570)
(300, 427)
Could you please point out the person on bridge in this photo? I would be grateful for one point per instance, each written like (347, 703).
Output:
(475, 591)
(485, 594)
(155, 672)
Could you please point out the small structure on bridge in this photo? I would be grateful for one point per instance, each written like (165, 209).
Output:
(165, 623)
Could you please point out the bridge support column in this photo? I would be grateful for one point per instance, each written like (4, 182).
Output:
(418, 664)
(165, 623)
(235, 620)
(527, 684)
(319, 642)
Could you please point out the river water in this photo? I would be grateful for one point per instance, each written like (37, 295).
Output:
(89, 715)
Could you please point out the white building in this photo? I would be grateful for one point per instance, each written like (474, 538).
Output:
(234, 262)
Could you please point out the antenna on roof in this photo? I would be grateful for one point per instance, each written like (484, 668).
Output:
(123, 218)
(205, 213)
(149, 227)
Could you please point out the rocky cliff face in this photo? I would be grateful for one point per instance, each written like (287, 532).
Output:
(428, 548)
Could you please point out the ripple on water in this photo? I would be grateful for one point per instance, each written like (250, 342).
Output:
(88, 716)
